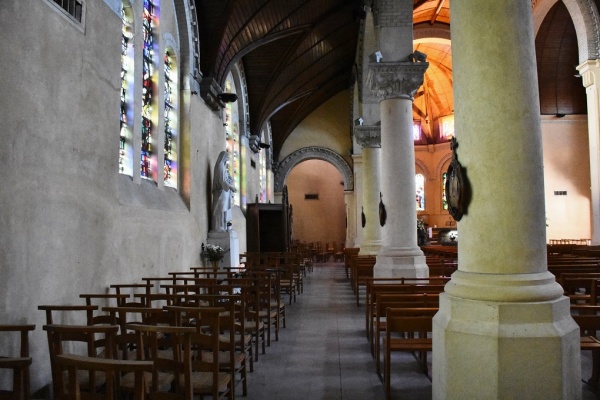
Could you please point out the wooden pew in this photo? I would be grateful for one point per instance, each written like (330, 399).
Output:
(407, 330)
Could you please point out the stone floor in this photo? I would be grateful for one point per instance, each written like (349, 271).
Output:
(324, 353)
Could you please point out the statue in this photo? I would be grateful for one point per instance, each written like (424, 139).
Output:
(222, 185)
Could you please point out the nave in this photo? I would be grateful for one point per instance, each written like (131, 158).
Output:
(324, 352)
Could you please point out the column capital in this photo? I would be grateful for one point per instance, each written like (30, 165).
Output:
(368, 136)
(590, 72)
(396, 80)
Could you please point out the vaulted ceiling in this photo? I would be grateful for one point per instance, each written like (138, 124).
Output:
(296, 54)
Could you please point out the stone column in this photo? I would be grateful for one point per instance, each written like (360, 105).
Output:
(590, 72)
(369, 137)
(504, 328)
(395, 84)
(350, 202)
(357, 162)
(395, 80)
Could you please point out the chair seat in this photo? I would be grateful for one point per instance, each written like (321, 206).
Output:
(202, 382)
(416, 344)
(164, 381)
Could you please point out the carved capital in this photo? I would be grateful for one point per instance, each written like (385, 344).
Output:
(368, 136)
(396, 80)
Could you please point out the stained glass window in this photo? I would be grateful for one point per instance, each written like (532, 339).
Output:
(447, 126)
(126, 136)
(420, 187)
(170, 116)
(262, 173)
(416, 129)
(444, 198)
(232, 137)
(148, 158)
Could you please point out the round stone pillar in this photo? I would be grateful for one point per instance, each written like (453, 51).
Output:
(395, 84)
(504, 328)
(369, 137)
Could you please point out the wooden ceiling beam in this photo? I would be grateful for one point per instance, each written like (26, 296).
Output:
(437, 11)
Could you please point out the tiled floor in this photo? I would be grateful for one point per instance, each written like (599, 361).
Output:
(323, 354)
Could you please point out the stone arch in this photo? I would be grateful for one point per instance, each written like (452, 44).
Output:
(313, 153)
(443, 162)
(587, 26)
(425, 171)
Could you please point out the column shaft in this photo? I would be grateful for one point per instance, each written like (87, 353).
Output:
(504, 328)
(590, 71)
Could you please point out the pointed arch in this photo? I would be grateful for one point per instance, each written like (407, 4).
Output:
(587, 25)
(313, 153)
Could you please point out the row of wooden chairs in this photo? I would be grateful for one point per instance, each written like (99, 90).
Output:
(250, 306)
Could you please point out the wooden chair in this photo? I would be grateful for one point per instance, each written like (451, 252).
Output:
(76, 366)
(399, 300)
(70, 314)
(589, 325)
(407, 330)
(206, 377)
(97, 341)
(18, 364)
(169, 349)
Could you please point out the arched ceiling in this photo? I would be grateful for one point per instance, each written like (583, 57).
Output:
(296, 54)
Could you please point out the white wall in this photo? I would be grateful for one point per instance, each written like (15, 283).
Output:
(70, 223)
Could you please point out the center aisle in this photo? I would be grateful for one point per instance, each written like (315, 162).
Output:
(323, 353)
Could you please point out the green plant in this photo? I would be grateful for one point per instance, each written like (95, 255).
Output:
(212, 252)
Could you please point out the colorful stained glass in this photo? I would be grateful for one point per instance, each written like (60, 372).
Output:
(149, 22)
(125, 132)
(170, 147)
(420, 188)
(232, 137)
(444, 198)
(416, 129)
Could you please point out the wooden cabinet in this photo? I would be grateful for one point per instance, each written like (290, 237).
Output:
(268, 226)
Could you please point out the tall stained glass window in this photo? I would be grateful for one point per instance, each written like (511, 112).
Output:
(232, 137)
(444, 198)
(170, 116)
(420, 187)
(447, 126)
(150, 22)
(126, 135)
(416, 129)
(262, 173)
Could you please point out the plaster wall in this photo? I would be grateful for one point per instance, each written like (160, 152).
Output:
(328, 126)
(322, 220)
(567, 168)
(71, 223)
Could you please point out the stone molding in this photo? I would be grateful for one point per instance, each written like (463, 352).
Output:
(312, 153)
(586, 19)
(368, 136)
(396, 80)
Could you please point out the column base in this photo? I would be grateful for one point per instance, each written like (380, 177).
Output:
(505, 350)
(228, 240)
(400, 262)
(370, 248)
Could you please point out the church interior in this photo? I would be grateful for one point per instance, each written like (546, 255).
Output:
(476, 122)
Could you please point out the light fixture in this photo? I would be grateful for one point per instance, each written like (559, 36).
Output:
(359, 121)
(227, 97)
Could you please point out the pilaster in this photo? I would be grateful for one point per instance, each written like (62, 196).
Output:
(590, 72)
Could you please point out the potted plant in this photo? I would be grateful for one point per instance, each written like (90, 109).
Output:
(213, 253)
